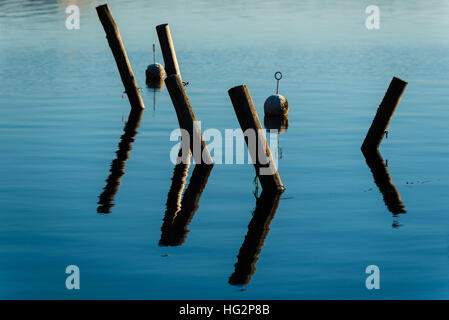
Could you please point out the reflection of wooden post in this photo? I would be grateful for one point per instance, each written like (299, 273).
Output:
(383, 181)
(248, 119)
(174, 229)
(168, 50)
(258, 229)
(118, 165)
(118, 50)
(173, 204)
(384, 114)
(187, 119)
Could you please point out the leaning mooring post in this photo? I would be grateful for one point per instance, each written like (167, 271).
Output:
(384, 114)
(118, 50)
(260, 151)
(168, 50)
(187, 119)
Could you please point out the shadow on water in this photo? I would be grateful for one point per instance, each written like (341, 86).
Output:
(118, 164)
(156, 85)
(258, 228)
(383, 181)
(179, 213)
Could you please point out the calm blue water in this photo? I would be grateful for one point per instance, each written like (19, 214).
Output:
(61, 122)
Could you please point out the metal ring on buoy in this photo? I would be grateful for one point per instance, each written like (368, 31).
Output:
(278, 75)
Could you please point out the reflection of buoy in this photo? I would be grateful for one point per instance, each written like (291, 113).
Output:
(279, 123)
(155, 73)
(276, 104)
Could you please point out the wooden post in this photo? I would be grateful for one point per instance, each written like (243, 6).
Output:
(258, 229)
(248, 119)
(383, 181)
(168, 50)
(118, 165)
(187, 119)
(118, 50)
(384, 114)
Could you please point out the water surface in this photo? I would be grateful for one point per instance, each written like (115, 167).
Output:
(62, 120)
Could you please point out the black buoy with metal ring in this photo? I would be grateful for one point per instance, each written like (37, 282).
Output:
(276, 104)
(155, 73)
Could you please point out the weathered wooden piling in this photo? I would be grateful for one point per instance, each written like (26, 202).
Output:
(384, 114)
(168, 50)
(258, 229)
(382, 179)
(121, 58)
(249, 120)
(187, 119)
(118, 165)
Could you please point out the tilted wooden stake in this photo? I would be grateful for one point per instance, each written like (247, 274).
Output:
(118, 50)
(384, 114)
(248, 119)
(187, 119)
(168, 50)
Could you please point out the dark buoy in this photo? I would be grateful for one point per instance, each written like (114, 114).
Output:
(276, 104)
(155, 73)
